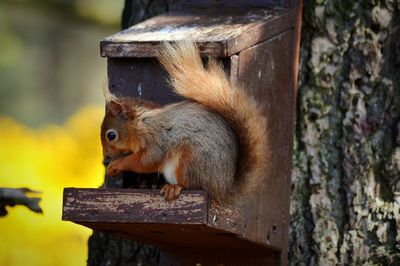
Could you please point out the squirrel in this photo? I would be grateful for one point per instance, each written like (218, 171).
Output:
(216, 139)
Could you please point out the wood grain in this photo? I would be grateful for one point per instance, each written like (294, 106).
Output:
(133, 206)
(218, 33)
(266, 70)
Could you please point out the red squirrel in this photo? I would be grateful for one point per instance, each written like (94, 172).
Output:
(215, 140)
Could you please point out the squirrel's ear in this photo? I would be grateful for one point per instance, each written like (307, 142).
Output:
(115, 108)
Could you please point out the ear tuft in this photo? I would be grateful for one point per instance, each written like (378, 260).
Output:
(115, 108)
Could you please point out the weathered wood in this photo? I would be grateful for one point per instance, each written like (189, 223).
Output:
(178, 227)
(139, 77)
(133, 206)
(173, 237)
(261, 32)
(262, 69)
(218, 33)
(270, 209)
(143, 78)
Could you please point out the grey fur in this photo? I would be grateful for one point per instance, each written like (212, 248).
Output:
(214, 147)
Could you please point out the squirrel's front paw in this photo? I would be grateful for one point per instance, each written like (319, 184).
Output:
(171, 192)
(112, 169)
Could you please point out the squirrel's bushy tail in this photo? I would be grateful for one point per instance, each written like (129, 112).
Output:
(210, 87)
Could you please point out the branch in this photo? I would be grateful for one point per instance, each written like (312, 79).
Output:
(17, 196)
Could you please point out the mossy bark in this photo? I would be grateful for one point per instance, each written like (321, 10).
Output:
(345, 184)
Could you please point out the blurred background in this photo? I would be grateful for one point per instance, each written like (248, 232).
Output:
(51, 107)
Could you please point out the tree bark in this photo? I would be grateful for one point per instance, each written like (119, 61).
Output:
(107, 249)
(346, 191)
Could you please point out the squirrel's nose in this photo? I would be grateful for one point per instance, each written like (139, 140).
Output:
(106, 161)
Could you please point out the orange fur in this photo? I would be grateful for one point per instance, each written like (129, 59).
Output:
(211, 88)
(185, 157)
(132, 162)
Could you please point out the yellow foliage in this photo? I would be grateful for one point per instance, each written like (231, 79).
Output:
(48, 159)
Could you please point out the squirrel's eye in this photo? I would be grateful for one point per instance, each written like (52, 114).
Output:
(111, 135)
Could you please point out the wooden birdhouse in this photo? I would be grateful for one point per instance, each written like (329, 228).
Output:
(257, 41)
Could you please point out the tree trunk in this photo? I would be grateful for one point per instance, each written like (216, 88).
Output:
(346, 191)
(107, 249)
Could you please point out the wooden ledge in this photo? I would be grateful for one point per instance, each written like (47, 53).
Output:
(133, 206)
(143, 215)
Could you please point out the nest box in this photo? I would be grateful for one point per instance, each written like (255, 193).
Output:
(257, 41)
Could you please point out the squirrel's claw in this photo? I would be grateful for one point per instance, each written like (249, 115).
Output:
(112, 169)
(171, 192)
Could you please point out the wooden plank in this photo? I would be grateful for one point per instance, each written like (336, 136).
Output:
(194, 243)
(231, 217)
(266, 70)
(140, 77)
(263, 218)
(117, 48)
(171, 235)
(218, 33)
(133, 206)
(143, 78)
(261, 32)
